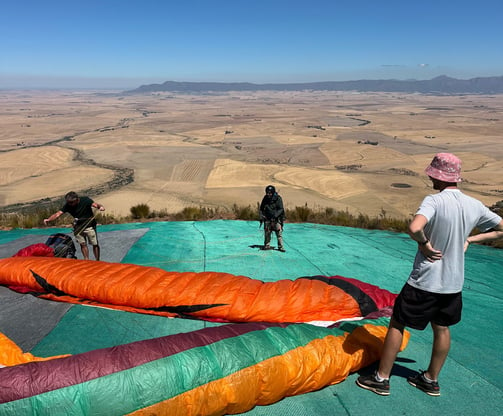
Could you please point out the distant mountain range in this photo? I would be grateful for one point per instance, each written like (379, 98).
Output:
(439, 85)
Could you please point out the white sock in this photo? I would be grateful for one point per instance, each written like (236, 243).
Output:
(429, 380)
(379, 378)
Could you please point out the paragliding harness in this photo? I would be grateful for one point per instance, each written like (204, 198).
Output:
(271, 211)
(62, 245)
(269, 224)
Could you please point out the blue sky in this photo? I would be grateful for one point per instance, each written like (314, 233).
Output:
(126, 43)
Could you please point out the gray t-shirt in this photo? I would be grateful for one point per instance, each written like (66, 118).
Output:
(451, 216)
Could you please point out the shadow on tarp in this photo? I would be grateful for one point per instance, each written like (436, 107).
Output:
(471, 379)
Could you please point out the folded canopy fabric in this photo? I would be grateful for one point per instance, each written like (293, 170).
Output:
(204, 295)
(225, 369)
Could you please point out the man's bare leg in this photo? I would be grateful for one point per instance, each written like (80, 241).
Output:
(392, 344)
(96, 251)
(439, 351)
(85, 251)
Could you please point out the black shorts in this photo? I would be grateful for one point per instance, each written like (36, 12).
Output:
(416, 308)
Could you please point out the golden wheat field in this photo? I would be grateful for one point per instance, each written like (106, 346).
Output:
(361, 152)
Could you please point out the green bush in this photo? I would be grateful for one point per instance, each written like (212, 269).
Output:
(245, 213)
(140, 211)
(191, 214)
(299, 214)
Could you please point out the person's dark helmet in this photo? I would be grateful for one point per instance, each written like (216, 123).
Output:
(270, 189)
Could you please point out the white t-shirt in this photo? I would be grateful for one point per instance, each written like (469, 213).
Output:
(451, 216)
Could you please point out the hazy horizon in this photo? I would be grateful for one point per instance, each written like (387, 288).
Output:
(105, 45)
(68, 83)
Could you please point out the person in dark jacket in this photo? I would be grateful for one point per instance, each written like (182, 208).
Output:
(272, 214)
(84, 225)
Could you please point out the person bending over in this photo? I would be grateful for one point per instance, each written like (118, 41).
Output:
(84, 223)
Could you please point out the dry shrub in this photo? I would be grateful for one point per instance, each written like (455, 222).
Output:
(140, 211)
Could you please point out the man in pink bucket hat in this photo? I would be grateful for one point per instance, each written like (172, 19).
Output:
(445, 167)
(432, 294)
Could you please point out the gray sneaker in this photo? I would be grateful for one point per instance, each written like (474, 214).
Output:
(429, 387)
(370, 383)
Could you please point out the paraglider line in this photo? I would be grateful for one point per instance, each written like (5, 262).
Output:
(309, 260)
(204, 244)
(84, 226)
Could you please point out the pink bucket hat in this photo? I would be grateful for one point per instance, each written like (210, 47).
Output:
(445, 167)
